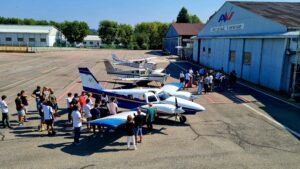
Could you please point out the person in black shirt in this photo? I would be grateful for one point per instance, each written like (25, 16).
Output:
(37, 95)
(20, 109)
(95, 115)
(104, 111)
(25, 103)
(129, 132)
(138, 123)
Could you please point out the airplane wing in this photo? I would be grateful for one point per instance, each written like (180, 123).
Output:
(172, 87)
(134, 79)
(114, 121)
(150, 58)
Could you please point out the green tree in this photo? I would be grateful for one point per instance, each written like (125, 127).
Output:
(194, 19)
(183, 16)
(75, 31)
(108, 31)
(125, 33)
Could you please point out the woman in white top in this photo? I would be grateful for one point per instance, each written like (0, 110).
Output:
(48, 117)
(86, 109)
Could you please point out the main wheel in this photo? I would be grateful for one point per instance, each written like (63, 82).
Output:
(182, 119)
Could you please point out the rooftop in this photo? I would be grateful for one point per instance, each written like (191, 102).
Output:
(285, 13)
(187, 29)
(25, 29)
(92, 38)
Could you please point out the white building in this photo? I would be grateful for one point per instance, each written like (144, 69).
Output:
(256, 39)
(29, 35)
(92, 41)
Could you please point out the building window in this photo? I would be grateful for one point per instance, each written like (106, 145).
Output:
(209, 51)
(247, 58)
(8, 39)
(232, 56)
(203, 50)
(20, 39)
(91, 43)
(31, 39)
(43, 39)
(84, 42)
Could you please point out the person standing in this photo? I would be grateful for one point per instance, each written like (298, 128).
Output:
(95, 112)
(197, 78)
(77, 123)
(69, 108)
(90, 96)
(187, 79)
(151, 113)
(191, 78)
(82, 99)
(104, 111)
(232, 79)
(25, 104)
(48, 117)
(200, 85)
(129, 132)
(37, 95)
(138, 124)
(181, 78)
(206, 83)
(86, 109)
(104, 97)
(20, 109)
(112, 106)
(53, 103)
(211, 82)
(4, 110)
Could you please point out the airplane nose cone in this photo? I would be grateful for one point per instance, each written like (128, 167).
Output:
(196, 106)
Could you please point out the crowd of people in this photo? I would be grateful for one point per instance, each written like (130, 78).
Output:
(207, 81)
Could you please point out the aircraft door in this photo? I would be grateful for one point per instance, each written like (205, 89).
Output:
(151, 98)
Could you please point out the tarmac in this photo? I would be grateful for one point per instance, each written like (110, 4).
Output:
(239, 129)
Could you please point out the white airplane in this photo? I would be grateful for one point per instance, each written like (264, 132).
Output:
(134, 98)
(136, 75)
(136, 63)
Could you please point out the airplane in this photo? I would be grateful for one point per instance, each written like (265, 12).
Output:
(134, 98)
(136, 63)
(138, 74)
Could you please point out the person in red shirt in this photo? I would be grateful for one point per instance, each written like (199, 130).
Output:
(82, 99)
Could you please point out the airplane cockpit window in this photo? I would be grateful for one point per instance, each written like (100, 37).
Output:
(142, 72)
(152, 99)
(163, 95)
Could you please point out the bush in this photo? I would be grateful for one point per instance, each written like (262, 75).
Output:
(145, 46)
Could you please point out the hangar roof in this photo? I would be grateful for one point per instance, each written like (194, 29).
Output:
(285, 13)
(187, 29)
(25, 29)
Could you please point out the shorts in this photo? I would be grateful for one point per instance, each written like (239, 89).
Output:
(138, 131)
(21, 112)
(49, 122)
(187, 81)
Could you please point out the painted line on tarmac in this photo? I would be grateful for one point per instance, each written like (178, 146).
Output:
(274, 97)
(67, 91)
(272, 120)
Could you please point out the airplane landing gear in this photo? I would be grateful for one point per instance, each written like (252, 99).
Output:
(182, 119)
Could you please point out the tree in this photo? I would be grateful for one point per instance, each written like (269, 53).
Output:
(183, 16)
(125, 33)
(108, 31)
(75, 31)
(194, 19)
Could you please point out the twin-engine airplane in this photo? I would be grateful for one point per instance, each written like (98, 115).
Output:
(136, 63)
(134, 98)
(137, 74)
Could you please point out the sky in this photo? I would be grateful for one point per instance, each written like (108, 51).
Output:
(123, 11)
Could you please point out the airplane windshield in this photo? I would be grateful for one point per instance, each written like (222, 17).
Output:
(152, 99)
(163, 95)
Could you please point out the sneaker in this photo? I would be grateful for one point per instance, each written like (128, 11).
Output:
(135, 148)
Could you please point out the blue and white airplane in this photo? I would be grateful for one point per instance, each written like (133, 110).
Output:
(134, 98)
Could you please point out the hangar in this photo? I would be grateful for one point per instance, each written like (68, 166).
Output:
(29, 35)
(258, 40)
(92, 41)
(179, 34)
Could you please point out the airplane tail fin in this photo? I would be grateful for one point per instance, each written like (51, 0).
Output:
(109, 67)
(88, 80)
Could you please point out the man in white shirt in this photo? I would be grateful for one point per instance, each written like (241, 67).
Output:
(69, 108)
(77, 123)
(187, 78)
(48, 117)
(86, 109)
(4, 110)
(211, 79)
(112, 106)
(181, 77)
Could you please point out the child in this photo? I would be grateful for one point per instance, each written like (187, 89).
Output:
(129, 132)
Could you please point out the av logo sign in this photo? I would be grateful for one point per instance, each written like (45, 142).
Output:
(226, 16)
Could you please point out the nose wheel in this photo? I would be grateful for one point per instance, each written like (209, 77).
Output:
(182, 118)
